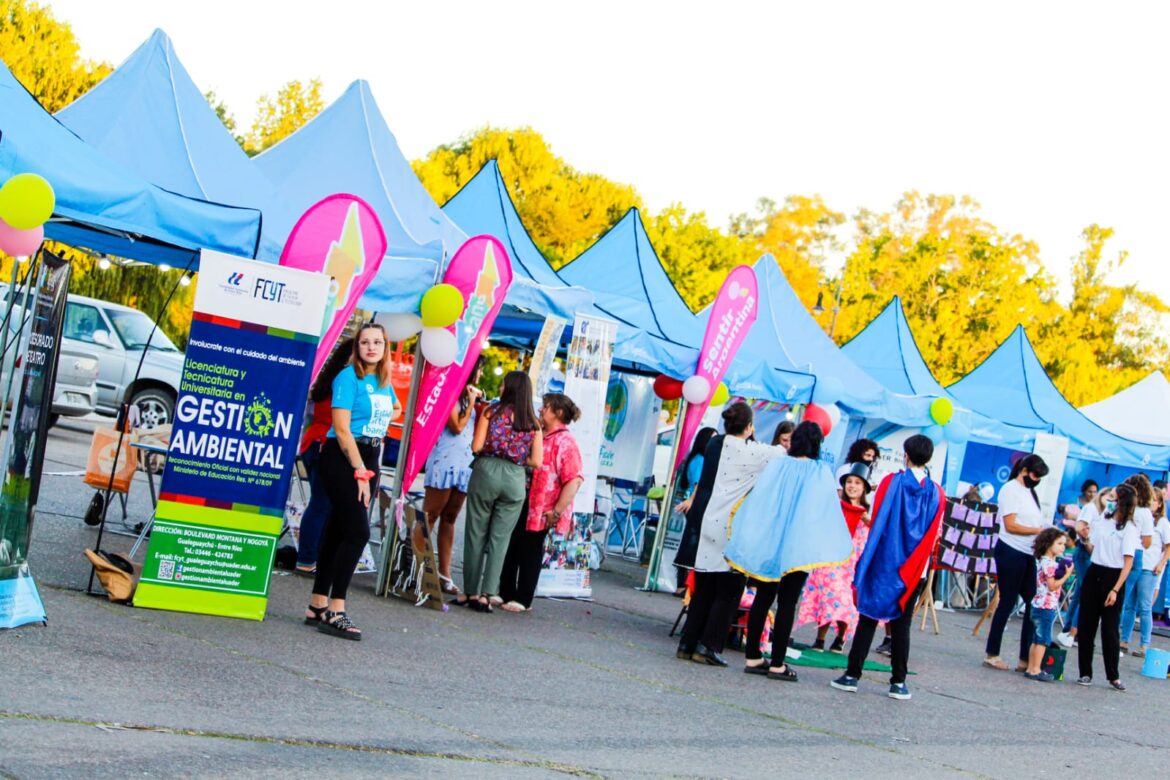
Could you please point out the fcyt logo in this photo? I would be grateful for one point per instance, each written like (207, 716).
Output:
(268, 290)
(235, 279)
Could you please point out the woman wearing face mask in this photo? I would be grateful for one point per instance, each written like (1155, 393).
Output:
(1113, 541)
(1103, 501)
(1144, 519)
(1020, 519)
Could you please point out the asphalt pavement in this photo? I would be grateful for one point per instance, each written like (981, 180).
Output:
(574, 688)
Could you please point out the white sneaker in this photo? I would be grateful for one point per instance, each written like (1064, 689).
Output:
(1065, 639)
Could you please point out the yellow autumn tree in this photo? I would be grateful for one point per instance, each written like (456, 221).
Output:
(800, 233)
(563, 209)
(1109, 336)
(279, 117)
(696, 256)
(964, 284)
(44, 55)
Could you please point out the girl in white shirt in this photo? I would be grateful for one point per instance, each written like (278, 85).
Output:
(1102, 502)
(1144, 519)
(1112, 541)
(1154, 557)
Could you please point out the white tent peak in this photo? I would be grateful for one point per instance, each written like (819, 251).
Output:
(1140, 411)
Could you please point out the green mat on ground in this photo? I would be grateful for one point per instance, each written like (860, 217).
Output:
(821, 659)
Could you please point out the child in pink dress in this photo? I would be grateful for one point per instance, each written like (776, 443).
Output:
(828, 594)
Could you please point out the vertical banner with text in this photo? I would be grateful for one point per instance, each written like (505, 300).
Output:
(732, 314)
(254, 335)
(565, 569)
(19, 601)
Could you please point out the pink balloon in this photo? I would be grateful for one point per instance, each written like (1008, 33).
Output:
(20, 243)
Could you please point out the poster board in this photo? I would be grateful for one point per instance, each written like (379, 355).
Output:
(565, 567)
(630, 431)
(967, 539)
(254, 335)
(1054, 450)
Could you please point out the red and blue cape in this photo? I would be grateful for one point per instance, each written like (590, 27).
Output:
(906, 518)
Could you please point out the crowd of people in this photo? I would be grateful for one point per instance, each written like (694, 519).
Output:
(814, 546)
(514, 471)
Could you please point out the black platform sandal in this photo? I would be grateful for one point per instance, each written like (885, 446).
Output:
(339, 624)
(318, 615)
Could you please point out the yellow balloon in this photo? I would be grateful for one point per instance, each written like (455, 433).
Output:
(26, 201)
(441, 306)
(721, 396)
(941, 410)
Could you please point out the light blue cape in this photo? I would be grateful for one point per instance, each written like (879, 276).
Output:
(791, 521)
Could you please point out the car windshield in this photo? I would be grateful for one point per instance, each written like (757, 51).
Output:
(134, 329)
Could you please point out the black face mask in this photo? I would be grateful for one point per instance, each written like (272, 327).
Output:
(1030, 482)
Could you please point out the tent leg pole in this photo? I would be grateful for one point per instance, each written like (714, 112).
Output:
(667, 500)
(399, 489)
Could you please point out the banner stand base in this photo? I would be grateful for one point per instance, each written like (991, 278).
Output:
(20, 602)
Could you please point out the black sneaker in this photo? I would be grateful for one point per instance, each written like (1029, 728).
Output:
(838, 645)
(886, 647)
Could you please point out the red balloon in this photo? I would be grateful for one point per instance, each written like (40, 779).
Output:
(814, 413)
(667, 388)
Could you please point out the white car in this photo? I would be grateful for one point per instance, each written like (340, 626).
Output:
(117, 335)
(75, 390)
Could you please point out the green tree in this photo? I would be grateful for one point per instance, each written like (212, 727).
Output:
(44, 54)
(281, 116)
(225, 115)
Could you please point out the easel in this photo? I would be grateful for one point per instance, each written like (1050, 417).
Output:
(992, 603)
(926, 604)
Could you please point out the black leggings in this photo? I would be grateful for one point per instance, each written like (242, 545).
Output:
(787, 591)
(1015, 576)
(521, 572)
(1099, 580)
(712, 609)
(899, 629)
(348, 528)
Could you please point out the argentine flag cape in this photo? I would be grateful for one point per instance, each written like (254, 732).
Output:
(791, 521)
(906, 518)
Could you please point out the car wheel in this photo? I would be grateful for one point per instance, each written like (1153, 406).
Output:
(155, 407)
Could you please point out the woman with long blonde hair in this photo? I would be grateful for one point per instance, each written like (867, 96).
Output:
(363, 406)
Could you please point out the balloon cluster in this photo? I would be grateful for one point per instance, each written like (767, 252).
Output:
(26, 203)
(695, 389)
(441, 306)
(946, 425)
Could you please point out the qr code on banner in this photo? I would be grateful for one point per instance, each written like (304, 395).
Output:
(166, 570)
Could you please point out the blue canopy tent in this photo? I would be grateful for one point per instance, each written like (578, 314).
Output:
(151, 117)
(483, 206)
(1012, 385)
(630, 284)
(102, 206)
(793, 340)
(886, 350)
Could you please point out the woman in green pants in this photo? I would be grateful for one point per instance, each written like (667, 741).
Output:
(507, 438)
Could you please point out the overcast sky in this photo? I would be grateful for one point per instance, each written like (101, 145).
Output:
(1052, 115)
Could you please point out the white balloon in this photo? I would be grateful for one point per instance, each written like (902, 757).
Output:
(399, 327)
(697, 390)
(834, 413)
(439, 346)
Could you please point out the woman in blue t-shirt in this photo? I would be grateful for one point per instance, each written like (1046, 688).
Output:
(363, 406)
